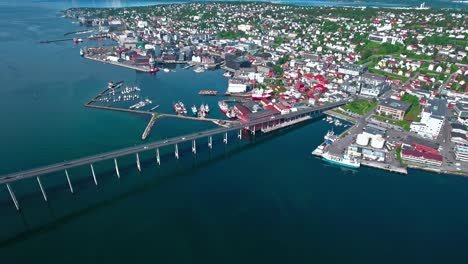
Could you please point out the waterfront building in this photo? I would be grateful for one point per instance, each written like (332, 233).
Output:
(393, 108)
(461, 152)
(421, 157)
(237, 86)
(418, 155)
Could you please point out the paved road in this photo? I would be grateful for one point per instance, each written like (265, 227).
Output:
(133, 150)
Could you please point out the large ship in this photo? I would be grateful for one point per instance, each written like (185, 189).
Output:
(345, 160)
(223, 106)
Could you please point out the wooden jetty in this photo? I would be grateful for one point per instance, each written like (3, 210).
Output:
(208, 92)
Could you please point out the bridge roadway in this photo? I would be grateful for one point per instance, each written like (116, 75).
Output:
(159, 144)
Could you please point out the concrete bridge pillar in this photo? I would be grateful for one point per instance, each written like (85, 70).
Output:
(69, 182)
(176, 151)
(42, 189)
(194, 147)
(13, 197)
(225, 138)
(158, 159)
(94, 174)
(116, 168)
(138, 162)
(240, 134)
(210, 142)
(253, 131)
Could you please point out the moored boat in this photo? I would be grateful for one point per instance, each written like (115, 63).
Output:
(231, 114)
(194, 110)
(330, 137)
(223, 106)
(345, 160)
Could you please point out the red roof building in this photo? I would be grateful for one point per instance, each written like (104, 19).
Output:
(421, 157)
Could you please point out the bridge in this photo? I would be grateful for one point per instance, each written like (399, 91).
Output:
(252, 126)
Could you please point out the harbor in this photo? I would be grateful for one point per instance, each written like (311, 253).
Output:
(348, 149)
(113, 92)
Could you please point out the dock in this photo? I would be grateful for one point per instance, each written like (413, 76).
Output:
(149, 127)
(285, 124)
(208, 92)
(238, 94)
(383, 166)
(121, 64)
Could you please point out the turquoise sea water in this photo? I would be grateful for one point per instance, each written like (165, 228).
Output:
(263, 200)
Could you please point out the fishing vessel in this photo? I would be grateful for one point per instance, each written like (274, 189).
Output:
(194, 110)
(231, 114)
(345, 160)
(207, 108)
(179, 108)
(223, 106)
(153, 70)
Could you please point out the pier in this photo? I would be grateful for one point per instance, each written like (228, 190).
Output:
(121, 64)
(149, 127)
(154, 146)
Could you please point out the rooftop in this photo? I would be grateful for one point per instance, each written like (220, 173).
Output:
(438, 107)
(396, 104)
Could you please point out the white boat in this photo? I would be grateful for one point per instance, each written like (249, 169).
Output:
(345, 160)
(81, 52)
(194, 110)
(227, 74)
(207, 108)
(330, 137)
(166, 70)
(223, 106)
(231, 114)
(199, 69)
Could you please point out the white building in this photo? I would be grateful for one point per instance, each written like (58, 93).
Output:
(237, 86)
(432, 119)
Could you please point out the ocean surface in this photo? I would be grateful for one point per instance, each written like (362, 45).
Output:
(261, 200)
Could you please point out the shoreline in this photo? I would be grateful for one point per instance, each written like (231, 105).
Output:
(318, 4)
(421, 167)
